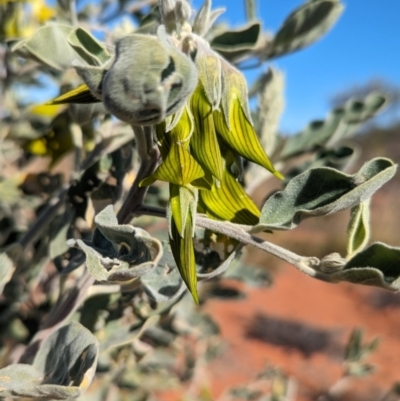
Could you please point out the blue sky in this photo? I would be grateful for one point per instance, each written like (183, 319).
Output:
(363, 45)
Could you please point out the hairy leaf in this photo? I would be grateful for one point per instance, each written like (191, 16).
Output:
(63, 368)
(119, 253)
(88, 47)
(236, 43)
(358, 232)
(164, 282)
(304, 26)
(341, 123)
(49, 46)
(323, 191)
(8, 258)
(378, 265)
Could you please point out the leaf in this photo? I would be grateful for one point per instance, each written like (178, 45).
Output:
(119, 253)
(304, 26)
(88, 47)
(358, 231)
(8, 260)
(49, 45)
(63, 368)
(340, 123)
(164, 282)
(323, 191)
(116, 333)
(378, 265)
(339, 157)
(235, 43)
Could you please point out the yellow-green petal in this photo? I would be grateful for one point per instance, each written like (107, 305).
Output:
(183, 252)
(81, 94)
(179, 167)
(229, 201)
(204, 141)
(242, 137)
(183, 200)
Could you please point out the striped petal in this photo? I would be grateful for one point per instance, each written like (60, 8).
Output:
(183, 200)
(204, 142)
(229, 201)
(183, 252)
(81, 94)
(179, 167)
(242, 137)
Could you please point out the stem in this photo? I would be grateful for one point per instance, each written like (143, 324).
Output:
(306, 265)
(44, 219)
(149, 155)
(73, 13)
(250, 9)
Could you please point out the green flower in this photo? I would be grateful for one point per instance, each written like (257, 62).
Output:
(197, 104)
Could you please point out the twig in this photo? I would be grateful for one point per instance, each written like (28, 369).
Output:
(149, 155)
(44, 219)
(306, 265)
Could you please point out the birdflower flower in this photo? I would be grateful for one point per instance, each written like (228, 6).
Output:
(197, 104)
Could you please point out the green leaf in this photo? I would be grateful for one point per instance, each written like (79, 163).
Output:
(117, 333)
(378, 265)
(8, 259)
(88, 47)
(358, 231)
(63, 368)
(338, 157)
(164, 283)
(341, 123)
(119, 253)
(304, 26)
(323, 191)
(49, 45)
(235, 43)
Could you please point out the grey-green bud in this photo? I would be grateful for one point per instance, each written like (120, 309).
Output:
(149, 80)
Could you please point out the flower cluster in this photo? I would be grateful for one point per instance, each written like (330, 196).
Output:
(197, 104)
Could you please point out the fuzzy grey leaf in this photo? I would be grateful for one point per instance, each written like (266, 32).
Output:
(63, 368)
(88, 47)
(341, 123)
(233, 44)
(323, 191)
(49, 45)
(164, 282)
(358, 231)
(8, 259)
(119, 253)
(378, 265)
(304, 26)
